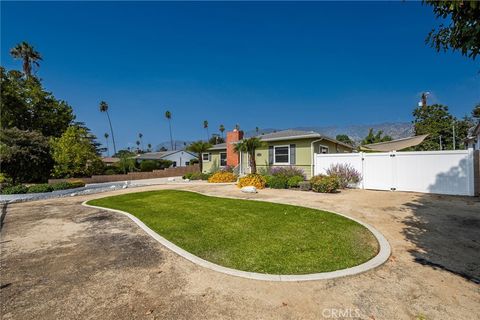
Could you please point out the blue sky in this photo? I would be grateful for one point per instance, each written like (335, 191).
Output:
(257, 64)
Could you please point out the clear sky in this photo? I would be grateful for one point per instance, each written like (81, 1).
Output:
(257, 64)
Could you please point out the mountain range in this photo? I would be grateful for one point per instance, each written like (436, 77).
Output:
(357, 132)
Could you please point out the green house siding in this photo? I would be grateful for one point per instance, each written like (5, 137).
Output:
(213, 162)
(303, 154)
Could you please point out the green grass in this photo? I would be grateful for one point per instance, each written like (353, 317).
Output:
(250, 235)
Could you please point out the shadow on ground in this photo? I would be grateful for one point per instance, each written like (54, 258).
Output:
(446, 239)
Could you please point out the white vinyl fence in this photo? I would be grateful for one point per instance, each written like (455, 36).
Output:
(442, 172)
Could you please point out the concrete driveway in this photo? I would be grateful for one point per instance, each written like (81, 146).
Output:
(60, 260)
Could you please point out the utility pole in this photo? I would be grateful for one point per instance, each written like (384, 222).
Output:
(453, 127)
(440, 137)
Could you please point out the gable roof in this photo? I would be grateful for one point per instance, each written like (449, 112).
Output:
(288, 134)
(159, 155)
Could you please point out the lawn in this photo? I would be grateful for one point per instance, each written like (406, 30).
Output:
(251, 235)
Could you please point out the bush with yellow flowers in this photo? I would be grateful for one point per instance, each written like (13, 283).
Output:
(253, 179)
(222, 176)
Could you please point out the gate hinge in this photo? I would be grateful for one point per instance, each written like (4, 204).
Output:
(393, 189)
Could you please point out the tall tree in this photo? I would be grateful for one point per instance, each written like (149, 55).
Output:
(104, 108)
(28, 55)
(249, 146)
(26, 105)
(345, 139)
(138, 145)
(205, 126)
(140, 136)
(436, 121)
(106, 139)
(463, 29)
(257, 130)
(221, 129)
(149, 147)
(375, 137)
(168, 115)
(199, 147)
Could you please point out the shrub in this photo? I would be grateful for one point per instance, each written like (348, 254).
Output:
(39, 188)
(149, 165)
(305, 185)
(19, 188)
(253, 179)
(187, 176)
(277, 182)
(222, 176)
(324, 184)
(293, 182)
(288, 172)
(198, 176)
(76, 184)
(345, 173)
(60, 185)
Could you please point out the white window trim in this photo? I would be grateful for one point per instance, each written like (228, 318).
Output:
(274, 155)
(220, 159)
(205, 153)
(320, 146)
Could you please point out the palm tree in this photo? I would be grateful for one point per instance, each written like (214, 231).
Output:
(106, 138)
(149, 147)
(222, 129)
(249, 146)
(168, 115)
(28, 54)
(199, 147)
(257, 130)
(205, 126)
(140, 136)
(104, 108)
(138, 145)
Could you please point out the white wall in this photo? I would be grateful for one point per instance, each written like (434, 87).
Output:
(442, 172)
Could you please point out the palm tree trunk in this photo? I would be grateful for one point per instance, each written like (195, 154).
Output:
(170, 127)
(111, 131)
(200, 162)
(108, 149)
(208, 134)
(253, 163)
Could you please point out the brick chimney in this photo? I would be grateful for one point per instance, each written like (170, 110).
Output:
(233, 158)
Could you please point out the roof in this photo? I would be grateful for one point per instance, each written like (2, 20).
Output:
(395, 145)
(220, 146)
(158, 155)
(110, 159)
(287, 135)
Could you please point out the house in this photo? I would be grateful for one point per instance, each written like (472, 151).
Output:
(473, 138)
(179, 158)
(282, 148)
(110, 161)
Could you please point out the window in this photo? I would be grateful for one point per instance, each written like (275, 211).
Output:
(205, 156)
(187, 163)
(281, 155)
(174, 164)
(322, 149)
(223, 159)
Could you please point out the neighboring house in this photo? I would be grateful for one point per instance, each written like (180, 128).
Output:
(179, 158)
(282, 148)
(473, 139)
(109, 161)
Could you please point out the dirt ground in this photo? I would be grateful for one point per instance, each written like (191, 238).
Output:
(60, 260)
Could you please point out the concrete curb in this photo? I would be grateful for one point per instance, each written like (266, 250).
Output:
(378, 260)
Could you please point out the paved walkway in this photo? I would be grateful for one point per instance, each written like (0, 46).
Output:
(60, 260)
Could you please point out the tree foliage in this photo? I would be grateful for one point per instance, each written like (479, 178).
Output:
(27, 106)
(198, 148)
(476, 111)
(436, 121)
(375, 137)
(345, 139)
(24, 155)
(74, 154)
(463, 29)
(29, 56)
(249, 146)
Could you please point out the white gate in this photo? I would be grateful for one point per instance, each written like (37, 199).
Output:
(443, 172)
